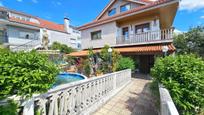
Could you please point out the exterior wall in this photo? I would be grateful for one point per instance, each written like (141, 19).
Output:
(72, 39)
(117, 6)
(108, 35)
(110, 32)
(75, 38)
(14, 35)
(154, 25)
(60, 37)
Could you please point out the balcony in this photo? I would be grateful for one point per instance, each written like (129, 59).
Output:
(146, 37)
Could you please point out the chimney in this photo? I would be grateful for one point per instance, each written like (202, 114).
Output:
(66, 25)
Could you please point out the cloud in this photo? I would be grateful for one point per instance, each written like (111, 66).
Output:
(202, 17)
(19, 0)
(35, 1)
(1, 4)
(59, 3)
(48, 17)
(56, 3)
(176, 31)
(191, 5)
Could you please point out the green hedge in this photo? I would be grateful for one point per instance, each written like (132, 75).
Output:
(125, 63)
(183, 76)
(25, 73)
(62, 47)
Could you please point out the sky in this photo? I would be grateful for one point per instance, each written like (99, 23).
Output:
(190, 13)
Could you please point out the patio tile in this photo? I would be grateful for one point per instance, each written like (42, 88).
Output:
(116, 109)
(98, 113)
(108, 107)
(125, 112)
(112, 113)
(111, 103)
(132, 100)
(103, 111)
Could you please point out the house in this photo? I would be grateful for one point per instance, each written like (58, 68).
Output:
(25, 32)
(140, 29)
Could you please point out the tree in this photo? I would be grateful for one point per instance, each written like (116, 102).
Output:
(191, 41)
(62, 47)
(105, 56)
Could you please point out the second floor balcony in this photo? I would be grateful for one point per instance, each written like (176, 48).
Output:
(158, 36)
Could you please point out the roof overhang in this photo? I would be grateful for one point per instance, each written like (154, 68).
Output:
(162, 7)
(131, 50)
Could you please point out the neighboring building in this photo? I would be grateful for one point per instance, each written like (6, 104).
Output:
(25, 32)
(136, 28)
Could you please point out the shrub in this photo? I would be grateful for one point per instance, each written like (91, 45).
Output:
(183, 76)
(105, 56)
(87, 68)
(25, 73)
(62, 47)
(9, 109)
(125, 63)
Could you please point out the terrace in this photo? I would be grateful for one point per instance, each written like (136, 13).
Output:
(159, 36)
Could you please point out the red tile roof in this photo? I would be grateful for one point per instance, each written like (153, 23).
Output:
(42, 24)
(112, 18)
(51, 25)
(136, 49)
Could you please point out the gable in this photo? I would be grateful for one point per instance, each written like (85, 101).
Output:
(116, 4)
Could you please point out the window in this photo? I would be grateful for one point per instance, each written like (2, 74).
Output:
(26, 35)
(112, 12)
(96, 35)
(72, 39)
(142, 28)
(1, 36)
(125, 32)
(125, 7)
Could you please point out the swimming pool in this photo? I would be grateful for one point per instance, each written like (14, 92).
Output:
(64, 78)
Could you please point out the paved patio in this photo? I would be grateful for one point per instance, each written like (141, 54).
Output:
(134, 99)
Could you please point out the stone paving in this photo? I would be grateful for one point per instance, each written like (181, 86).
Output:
(134, 99)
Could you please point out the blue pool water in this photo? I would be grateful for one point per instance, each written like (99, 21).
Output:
(64, 78)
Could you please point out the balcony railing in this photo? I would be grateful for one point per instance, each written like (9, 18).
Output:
(27, 46)
(146, 37)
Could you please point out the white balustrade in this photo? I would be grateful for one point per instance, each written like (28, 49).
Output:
(146, 37)
(166, 103)
(27, 46)
(81, 97)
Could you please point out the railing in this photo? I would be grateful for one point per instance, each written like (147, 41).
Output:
(27, 46)
(166, 102)
(145, 37)
(82, 97)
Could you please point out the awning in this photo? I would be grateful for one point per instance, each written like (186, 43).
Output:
(147, 49)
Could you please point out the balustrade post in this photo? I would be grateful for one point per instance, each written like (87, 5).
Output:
(114, 81)
(29, 107)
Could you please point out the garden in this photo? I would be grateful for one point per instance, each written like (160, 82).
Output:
(183, 74)
(24, 74)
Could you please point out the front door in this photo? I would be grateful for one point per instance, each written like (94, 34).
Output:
(146, 62)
